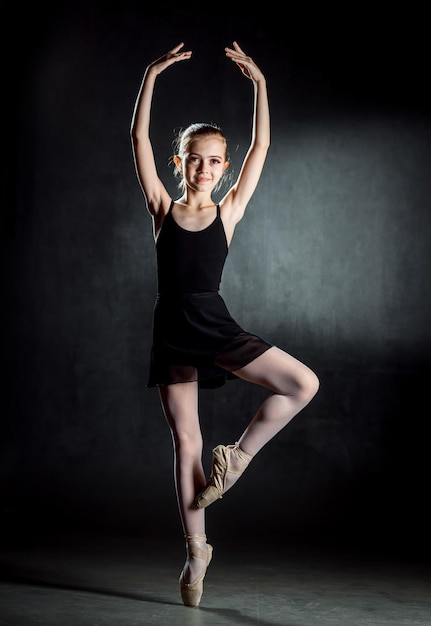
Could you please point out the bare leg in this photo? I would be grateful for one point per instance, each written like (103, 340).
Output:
(292, 385)
(180, 405)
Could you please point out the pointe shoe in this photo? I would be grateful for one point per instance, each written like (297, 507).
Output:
(191, 593)
(216, 485)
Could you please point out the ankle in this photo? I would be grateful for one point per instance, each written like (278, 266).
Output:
(196, 545)
(195, 538)
(241, 453)
(238, 460)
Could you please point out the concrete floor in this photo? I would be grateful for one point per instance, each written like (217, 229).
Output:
(128, 581)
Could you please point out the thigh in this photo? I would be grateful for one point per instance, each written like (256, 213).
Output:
(180, 405)
(278, 371)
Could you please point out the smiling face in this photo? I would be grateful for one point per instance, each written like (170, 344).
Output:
(203, 163)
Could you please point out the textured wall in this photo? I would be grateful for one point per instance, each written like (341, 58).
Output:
(331, 263)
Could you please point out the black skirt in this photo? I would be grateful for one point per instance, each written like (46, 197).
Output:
(196, 339)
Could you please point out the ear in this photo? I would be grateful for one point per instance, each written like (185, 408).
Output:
(177, 162)
(225, 166)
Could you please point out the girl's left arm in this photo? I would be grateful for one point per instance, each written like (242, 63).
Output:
(237, 198)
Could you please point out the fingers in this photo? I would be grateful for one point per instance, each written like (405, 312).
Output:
(236, 46)
(178, 47)
(176, 55)
(237, 54)
(245, 63)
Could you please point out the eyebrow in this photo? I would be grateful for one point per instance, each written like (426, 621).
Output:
(210, 156)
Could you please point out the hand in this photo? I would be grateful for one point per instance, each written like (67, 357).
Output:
(173, 56)
(246, 64)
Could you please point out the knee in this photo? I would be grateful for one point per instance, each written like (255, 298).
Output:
(307, 386)
(189, 444)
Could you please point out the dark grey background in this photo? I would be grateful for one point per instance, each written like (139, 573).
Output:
(331, 263)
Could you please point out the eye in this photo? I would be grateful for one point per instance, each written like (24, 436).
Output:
(193, 159)
(216, 161)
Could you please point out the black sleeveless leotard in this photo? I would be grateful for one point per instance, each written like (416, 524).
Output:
(194, 336)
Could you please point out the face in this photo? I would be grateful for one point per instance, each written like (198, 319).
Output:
(204, 164)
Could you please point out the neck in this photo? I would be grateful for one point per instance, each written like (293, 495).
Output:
(196, 200)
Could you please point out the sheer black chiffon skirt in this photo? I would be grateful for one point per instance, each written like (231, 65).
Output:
(196, 339)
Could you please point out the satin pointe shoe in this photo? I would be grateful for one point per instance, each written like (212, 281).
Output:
(220, 471)
(191, 593)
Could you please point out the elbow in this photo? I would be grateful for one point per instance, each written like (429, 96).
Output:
(133, 134)
(263, 142)
(264, 145)
(138, 137)
(267, 141)
(135, 139)
(136, 130)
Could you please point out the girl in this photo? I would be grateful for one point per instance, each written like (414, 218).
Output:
(196, 343)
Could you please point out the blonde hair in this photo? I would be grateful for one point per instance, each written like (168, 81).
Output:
(186, 136)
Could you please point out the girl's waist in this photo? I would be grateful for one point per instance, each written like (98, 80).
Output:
(185, 295)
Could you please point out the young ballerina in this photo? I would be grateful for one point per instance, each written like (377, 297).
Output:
(196, 343)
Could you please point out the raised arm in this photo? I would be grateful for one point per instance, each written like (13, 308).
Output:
(234, 203)
(155, 193)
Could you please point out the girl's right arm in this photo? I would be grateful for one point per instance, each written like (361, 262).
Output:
(156, 195)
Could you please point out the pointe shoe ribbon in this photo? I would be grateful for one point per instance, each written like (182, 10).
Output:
(216, 485)
(191, 593)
